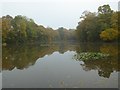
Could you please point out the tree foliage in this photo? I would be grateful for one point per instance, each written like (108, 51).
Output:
(109, 34)
(21, 29)
(95, 26)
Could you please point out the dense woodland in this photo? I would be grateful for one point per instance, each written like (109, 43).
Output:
(93, 26)
(102, 25)
(22, 29)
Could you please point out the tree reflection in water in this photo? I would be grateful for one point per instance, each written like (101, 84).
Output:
(22, 57)
(104, 66)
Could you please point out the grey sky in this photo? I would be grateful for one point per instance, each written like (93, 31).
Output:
(53, 13)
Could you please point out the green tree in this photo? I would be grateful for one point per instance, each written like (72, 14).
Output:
(104, 15)
(6, 27)
(105, 9)
(19, 24)
(88, 28)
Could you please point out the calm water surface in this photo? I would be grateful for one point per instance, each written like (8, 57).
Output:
(54, 66)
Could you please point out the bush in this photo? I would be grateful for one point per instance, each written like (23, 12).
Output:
(109, 34)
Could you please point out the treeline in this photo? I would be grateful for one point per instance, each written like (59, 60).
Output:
(93, 26)
(21, 29)
(99, 26)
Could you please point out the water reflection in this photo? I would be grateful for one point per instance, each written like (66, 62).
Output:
(22, 57)
(104, 66)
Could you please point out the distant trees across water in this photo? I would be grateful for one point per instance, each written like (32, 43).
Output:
(22, 29)
(100, 26)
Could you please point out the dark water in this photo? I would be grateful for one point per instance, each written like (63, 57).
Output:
(54, 66)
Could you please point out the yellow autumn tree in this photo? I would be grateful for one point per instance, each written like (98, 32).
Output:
(109, 34)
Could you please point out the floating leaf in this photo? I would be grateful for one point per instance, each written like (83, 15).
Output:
(90, 56)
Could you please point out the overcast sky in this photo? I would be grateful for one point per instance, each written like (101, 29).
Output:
(53, 13)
